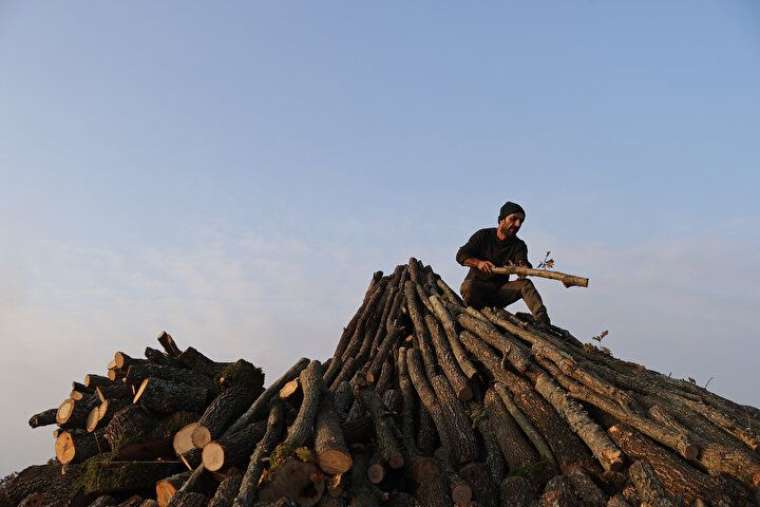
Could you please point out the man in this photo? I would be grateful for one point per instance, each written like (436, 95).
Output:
(499, 246)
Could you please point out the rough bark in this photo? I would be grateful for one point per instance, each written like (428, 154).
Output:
(483, 487)
(460, 354)
(226, 408)
(521, 457)
(303, 426)
(494, 460)
(232, 449)
(420, 331)
(462, 443)
(559, 493)
(427, 397)
(525, 425)
(517, 355)
(586, 490)
(567, 448)
(460, 491)
(605, 451)
(139, 372)
(386, 440)
(165, 397)
(101, 475)
(431, 489)
(167, 342)
(227, 490)
(299, 481)
(260, 407)
(77, 446)
(333, 456)
(648, 485)
(189, 499)
(446, 360)
(44, 418)
(678, 477)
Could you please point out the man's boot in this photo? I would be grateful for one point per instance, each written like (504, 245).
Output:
(541, 320)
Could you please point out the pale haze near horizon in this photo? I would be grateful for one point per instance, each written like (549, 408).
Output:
(234, 173)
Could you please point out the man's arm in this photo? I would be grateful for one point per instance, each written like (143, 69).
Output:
(467, 255)
(521, 257)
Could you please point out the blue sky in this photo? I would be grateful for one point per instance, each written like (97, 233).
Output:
(234, 173)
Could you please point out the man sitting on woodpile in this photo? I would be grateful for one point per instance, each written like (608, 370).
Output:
(499, 246)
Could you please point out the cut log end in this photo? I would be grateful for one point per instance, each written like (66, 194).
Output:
(64, 411)
(213, 457)
(141, 390)
(65, 450)
(183, 441)
(200, 436)
(335, 461)
(376, 473)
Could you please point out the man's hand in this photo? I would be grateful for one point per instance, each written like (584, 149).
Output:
(485, 266)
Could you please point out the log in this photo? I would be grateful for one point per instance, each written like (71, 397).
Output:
(409, 403)
(386, 377)
(333, 456)
(618, 501)
(303, 427)
(227, 490)
(116, 390)
(446, 360)
(586, 490)
(289, 389)
(363, 493)
(605, 451)
(232, 449)
(484, 490)
(427, 397)
(167, 487)
(431, 488)
(92, 381)
(517, 355)
(139, 372)
(678, 477)
(44, 418)
(523, 271)
(182, 441)
(299, 481)
(420, 331)
(104, 501)
(101, 475)
(393, 401)
(428, 437)
(525, 425)
(46, 481)
(167, 342)
(196, 361)
(260, 407)
(226, 408)
(249, 483)
(521, 457)
(387, 443)
(73, 414)
(462, 441)
(461, 493)
(391, 338)
(77, 446)
(460, 354)
(165, 397)
(566, 446)
(559, 492)
(648, 485)
(189, 499)
(449, 293)
(121, 360)
(516, 491)
(494, 460)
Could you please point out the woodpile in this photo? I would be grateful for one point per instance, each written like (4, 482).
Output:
(424, 402)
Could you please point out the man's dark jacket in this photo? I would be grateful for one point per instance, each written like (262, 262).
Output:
(486, 246)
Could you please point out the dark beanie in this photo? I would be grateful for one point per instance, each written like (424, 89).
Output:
(509, 208)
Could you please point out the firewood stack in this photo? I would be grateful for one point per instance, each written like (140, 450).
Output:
(424, 402)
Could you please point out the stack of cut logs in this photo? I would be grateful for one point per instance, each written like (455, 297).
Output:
(424, 402)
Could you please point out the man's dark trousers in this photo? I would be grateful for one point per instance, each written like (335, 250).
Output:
(480, 293)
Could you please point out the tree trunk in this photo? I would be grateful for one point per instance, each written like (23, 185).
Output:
(446, 360)
(333, 456)
(227, 490)
(427, 397)
(459, 352)
(300, 481)
(479, 479)
(521, 457)
(249, 484)
(567, 280)
(387, 444)
(648, 485)
(139, 372)
(260, 407)
(559, 492)
(517, 355)
(77, 446)
(164, 397)
(226, 408)
(44, 418)
(303, 426)
(420, 331)
(232, 449)
(462, 441)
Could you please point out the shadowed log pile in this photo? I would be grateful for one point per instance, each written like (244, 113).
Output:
(424, 402)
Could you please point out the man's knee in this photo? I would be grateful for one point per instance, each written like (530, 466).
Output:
(466, 289)
(523, 284)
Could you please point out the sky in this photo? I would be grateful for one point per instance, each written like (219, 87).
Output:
(234, 172)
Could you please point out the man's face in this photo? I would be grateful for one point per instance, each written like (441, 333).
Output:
(510, 224)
